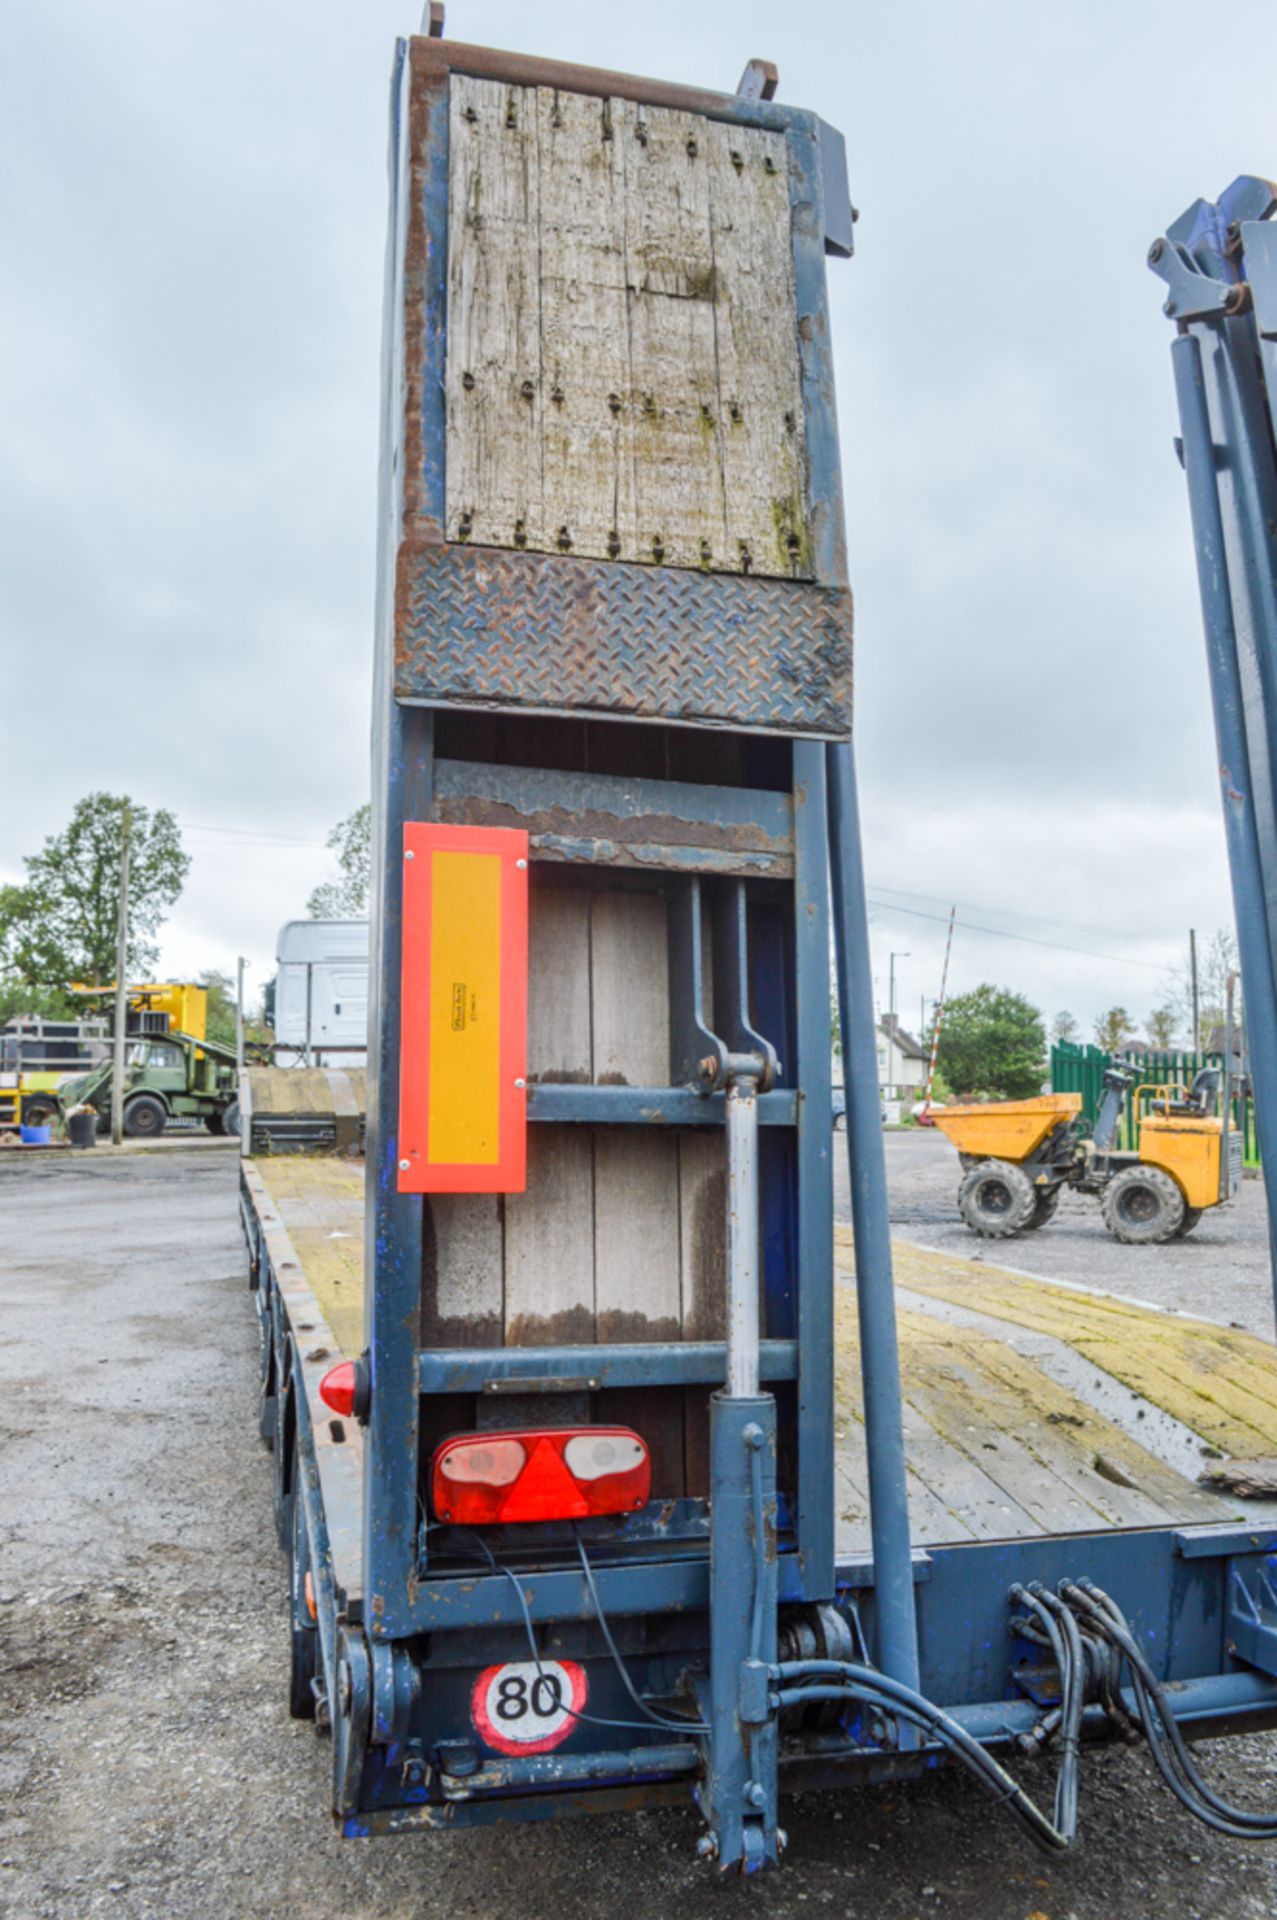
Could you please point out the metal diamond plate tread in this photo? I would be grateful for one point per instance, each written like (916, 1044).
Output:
(485, 627)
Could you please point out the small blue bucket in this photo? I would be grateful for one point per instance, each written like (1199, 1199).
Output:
(36, 1136)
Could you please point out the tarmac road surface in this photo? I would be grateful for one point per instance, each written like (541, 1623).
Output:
(148, 1766)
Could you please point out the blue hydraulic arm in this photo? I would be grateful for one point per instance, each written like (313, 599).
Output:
(1220, 266)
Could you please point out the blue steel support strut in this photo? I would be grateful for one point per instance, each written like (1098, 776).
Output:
(741, 1790)
(739, 1799)
(1245, 864)
(896, 1620)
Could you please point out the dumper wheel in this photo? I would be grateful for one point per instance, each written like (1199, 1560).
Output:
(997, 1199)
(38, 1113)
(229, 1117)
(1191, 1217)
(1142, 1207)
(303, 1663)
(145, 1117)
(1044, 1207)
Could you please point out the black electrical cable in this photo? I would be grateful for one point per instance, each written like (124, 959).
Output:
(590, 1719)
(670, 1725)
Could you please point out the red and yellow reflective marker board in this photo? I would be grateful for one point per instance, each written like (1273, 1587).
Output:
(463, 1103)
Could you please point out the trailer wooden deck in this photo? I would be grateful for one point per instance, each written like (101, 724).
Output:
(1030, 1407)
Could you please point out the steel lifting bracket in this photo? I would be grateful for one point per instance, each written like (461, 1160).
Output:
(704, 1056)
(1252, 1617)
(1192, 294)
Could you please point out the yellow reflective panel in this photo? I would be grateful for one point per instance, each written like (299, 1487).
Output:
(465, 1009)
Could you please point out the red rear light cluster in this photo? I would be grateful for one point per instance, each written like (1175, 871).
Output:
(569, 1473)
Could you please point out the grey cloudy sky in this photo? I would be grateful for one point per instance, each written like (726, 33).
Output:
(189, 319)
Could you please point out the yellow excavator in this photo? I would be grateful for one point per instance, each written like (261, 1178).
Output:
(1018, 1156)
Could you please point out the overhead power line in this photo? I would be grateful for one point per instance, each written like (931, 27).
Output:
(1004, 933)
(1015, 913)
(247, 836)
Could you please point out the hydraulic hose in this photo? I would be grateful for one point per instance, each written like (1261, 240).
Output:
(806, 1680)
(1157, 1719)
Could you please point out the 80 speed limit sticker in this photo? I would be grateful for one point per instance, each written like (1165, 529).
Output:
(520, 1708)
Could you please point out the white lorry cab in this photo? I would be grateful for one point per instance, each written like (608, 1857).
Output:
(318, 1000)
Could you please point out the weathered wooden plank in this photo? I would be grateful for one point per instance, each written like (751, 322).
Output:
(462, 1285)
(672, 417)
(636, 1235)
(494, 396)
(702, 1230)
(976, 1503)
(587, 452)
(851, 1509)
(1082, 1447)
(637, 1286)
(703, 1233)
(549, 1242)
(760, 404)
(929, 1518)
(559, 1047)
(629, 989)
(957, 1402)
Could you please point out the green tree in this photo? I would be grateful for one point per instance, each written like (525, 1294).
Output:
(346, 898)
(220, 1016)
(1113, 1029)
(61, 924)
(1161, 1026)
(16, 997)
(993, 1041)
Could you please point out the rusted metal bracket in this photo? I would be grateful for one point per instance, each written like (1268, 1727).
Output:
(697, 1055)
(432, 20)
(759, 81)
(731, 982)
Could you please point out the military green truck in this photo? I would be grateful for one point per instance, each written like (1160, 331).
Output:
(169, 1076)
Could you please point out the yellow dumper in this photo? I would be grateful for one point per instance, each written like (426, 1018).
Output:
(1018, 1156)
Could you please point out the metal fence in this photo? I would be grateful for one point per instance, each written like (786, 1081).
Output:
(1077, 1069)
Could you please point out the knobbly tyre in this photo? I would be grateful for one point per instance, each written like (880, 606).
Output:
(555, 1463)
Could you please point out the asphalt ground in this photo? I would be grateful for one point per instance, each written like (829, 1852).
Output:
(147, 1763)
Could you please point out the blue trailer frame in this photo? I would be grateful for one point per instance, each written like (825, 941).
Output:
(702, 1615)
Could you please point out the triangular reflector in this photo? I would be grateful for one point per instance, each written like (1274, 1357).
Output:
(545, 1490)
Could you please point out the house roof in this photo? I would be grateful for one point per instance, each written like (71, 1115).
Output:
(891, 1028)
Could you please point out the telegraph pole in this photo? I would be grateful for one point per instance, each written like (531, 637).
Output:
(891, 1039)
(239, 1013)
(121, 985)
(1192, 968)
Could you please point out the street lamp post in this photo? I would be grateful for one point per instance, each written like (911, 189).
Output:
(891, 1010)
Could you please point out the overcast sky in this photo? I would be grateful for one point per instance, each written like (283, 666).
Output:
(189, 319)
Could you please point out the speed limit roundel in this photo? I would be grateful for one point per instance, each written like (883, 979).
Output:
(523, 1708)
